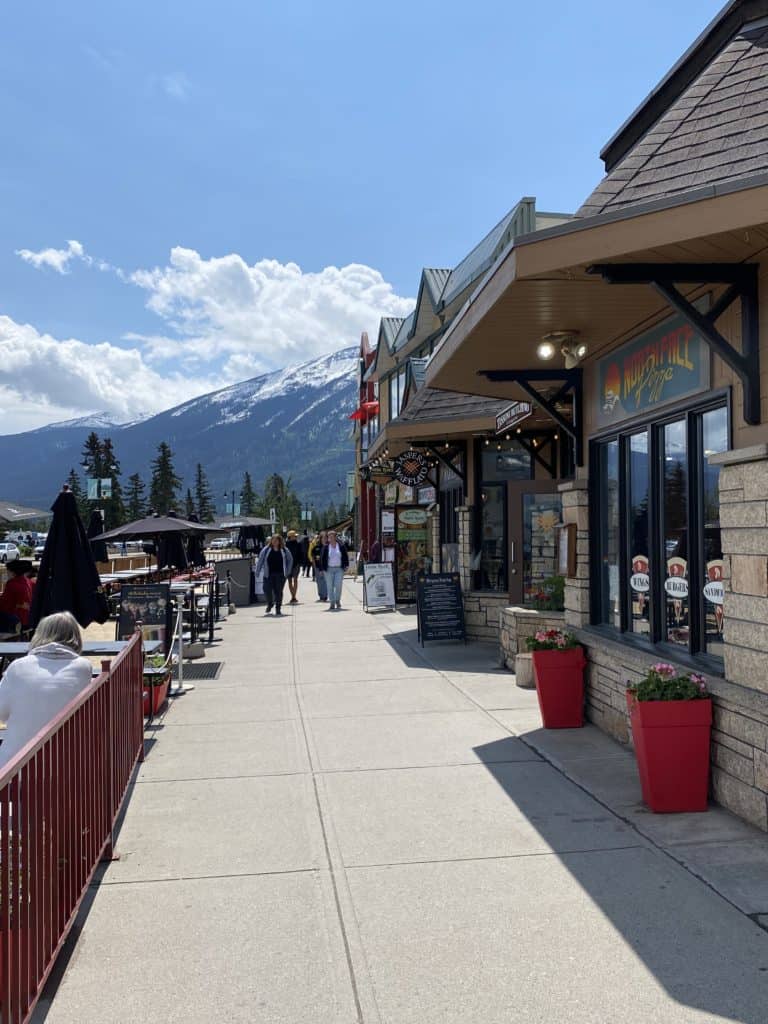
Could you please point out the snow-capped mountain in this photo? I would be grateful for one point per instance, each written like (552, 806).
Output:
(292, 421)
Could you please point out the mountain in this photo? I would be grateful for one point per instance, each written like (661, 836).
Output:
(293, 422)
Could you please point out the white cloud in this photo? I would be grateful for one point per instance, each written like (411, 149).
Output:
(64, 378)
(267, 313)
(56, 259)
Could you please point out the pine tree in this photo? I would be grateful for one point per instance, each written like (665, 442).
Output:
(93, 459)
(279, 494)
(165, 483)
(73, 482)
(189, 505)
(248, 497)
(114, 507)
(135, 495)
(204, 496)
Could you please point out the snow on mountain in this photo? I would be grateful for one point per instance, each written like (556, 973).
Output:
(293, 421)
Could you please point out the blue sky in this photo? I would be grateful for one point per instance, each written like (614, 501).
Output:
(253, 183)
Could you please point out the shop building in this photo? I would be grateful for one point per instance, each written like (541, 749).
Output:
(461, 450)
(640, 328)
(366, 427)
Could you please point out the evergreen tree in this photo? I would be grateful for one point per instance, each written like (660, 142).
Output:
(279, 494)
(189, 505)
(248, 497)
(204, 496)
(165, 483)
(73, 482)
(135, 495)
(93, 458)
(114, 507)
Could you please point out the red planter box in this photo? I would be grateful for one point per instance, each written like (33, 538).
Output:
(672, 744)
(157, 694)
(559, 679)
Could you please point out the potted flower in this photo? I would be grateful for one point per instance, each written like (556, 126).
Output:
(157, 680)
(671, 714)
(558, 669)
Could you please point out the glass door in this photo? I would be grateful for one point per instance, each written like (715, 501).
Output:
(535, 511)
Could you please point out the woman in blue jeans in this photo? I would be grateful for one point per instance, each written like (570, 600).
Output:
(273, 567)
(333, 561)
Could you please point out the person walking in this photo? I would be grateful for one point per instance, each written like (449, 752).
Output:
(334, 560)
(294, 547)
(316, 555)
(274, 566)
(305, 562)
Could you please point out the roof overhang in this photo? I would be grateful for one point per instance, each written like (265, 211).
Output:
(541, 284)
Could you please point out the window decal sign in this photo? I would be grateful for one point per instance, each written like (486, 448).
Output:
(640, 581)
(665, 364)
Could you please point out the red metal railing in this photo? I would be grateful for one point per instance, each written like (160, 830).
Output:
(59, 800)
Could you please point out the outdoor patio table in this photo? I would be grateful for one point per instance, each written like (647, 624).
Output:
(90, 647)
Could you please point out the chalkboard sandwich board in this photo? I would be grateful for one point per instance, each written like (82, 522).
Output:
(439, 607)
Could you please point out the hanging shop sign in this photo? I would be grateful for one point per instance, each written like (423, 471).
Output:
(410, 468)
(663, 365)
(512, 415)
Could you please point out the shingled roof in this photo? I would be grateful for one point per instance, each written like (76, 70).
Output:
(432, 404)
(714, 131)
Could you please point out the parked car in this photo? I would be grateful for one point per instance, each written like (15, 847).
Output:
(8, 552)
(38, 551)
(220, 543)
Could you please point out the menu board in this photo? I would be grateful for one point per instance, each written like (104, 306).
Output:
(440, 607)
(378, 586)
(149, 604)
(411, 538)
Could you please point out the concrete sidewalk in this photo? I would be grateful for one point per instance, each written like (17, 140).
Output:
(344, 827)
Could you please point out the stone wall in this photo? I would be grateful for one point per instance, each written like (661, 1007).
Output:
(519, 623)
(482, 614)
(575, 495)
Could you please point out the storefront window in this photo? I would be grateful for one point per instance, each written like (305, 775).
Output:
(608, 543)
(543, 587)
(656, 532)
(675, 534)
(507, 462)
(639, 540)
(714, 427)
(490, 562)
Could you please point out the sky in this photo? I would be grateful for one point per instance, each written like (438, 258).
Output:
(192, 193)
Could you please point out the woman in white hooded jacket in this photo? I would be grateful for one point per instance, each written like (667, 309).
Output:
(37, 687)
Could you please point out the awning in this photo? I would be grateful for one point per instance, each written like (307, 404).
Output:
(365, 411)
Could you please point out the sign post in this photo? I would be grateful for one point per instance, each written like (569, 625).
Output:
(439, 607)
(378, 586)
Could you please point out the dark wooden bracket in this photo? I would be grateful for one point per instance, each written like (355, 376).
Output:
(742, 281)
(460, 473)
(572, 381)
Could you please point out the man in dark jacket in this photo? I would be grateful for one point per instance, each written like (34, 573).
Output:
(305, 562)
(292, 544)
(333, 561)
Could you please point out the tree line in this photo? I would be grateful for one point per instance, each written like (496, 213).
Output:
(101, 487)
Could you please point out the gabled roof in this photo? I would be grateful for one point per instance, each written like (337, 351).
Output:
(388, 328)
(433, 279)
(705, 124)
(418, 371)
(401, 337)
(520, 220)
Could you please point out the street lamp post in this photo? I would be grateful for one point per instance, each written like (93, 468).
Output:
(226, 495)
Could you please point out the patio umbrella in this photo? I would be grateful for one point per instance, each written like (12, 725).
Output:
(170, 548)
(96, 527)
(166, 532)
(68, 580)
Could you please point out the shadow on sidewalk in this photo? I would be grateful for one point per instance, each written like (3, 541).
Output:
(656, 907)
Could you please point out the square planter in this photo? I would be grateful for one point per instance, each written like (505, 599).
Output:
(156, 693)
(672, 745)
(559, 679)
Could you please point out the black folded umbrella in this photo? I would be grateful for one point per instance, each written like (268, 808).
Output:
(68, 580)
(95, 528)
(195, 546)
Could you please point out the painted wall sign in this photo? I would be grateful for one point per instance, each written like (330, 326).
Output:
(410, 468)
(660, 366)
(513, 414)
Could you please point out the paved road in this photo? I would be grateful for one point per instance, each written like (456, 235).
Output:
(343, 828)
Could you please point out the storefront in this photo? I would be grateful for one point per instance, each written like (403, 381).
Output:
(639, 329)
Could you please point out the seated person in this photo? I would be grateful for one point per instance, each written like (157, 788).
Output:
(36, 688)
(16, 598)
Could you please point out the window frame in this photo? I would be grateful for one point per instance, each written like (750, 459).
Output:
(691, 413)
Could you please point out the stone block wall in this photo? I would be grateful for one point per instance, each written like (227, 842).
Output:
(482, 614)
(465, 547)
(519, 623)
(575, 495)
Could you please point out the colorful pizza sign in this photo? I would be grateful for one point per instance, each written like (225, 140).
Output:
(410, 468)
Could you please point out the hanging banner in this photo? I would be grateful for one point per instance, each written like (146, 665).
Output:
(663, 365)
(378, 586)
